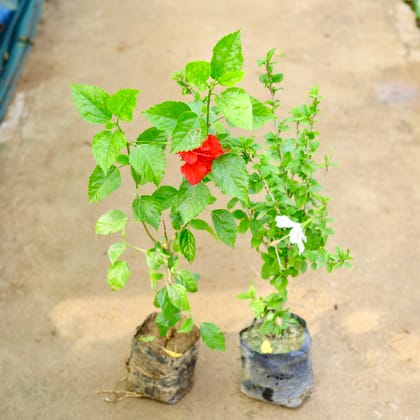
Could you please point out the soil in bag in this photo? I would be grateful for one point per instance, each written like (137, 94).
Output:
(162, 368)
(282, 377)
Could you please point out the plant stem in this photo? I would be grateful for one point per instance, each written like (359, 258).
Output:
(135, 247)
(148, 232)
(208, 108)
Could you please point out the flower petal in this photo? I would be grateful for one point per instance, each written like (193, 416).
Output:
(298, 237)
(196, 172)
(285, 222)
(189, 157)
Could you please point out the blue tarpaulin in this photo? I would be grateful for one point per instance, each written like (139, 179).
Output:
(18, 22)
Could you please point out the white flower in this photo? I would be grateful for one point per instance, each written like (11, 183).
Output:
(296, 235)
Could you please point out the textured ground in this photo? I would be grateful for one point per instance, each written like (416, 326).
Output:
(64, 335)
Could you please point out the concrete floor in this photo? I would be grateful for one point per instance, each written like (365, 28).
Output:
(64, 335)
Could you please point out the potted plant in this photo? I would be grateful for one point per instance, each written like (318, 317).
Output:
(164, 347)
(287, 217)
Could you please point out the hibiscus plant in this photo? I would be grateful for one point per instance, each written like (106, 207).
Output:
(287, 215)
(183, 132)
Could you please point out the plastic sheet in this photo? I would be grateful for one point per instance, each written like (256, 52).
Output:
(284, 379)
(20, 26)
(153, 373)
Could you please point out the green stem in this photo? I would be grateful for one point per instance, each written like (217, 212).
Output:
(208, 108)
(135, 247)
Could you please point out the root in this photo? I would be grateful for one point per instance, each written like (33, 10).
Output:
(116, 395)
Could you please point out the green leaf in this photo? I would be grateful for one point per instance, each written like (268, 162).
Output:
(257, 306)
(165, 195)
(106, 148)
(122, 160)
(225, 226)
(243, 226)
(260, 113)
(152, 136)
(122, 103)
(188, 279)
(197, 73)
(178, 296)
(100, 185)
(227, 56)
(111, 222)
(187, 245)
(118, 275)
(235, 105)
(147, 209)
(250, 294)
(91, 101)
(212, 336)
(165, 115)
(115, 251)
(191, 200)
(155, 259)
(230, 175)
(187, 133)
(186, 326)
(149, 162)
(202, 225)
(230, 78)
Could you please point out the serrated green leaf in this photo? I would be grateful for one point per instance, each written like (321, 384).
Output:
(106, 148)
(230, 175)
(100, 185)
(212, 336)
(165, 195)
(197, 73)
(178, 296)
(165, 115)
(235, 105)
(91, 101)
(187, 133)
(147, 209)
(155, 259)
(230, 78)
(152, 136)
(115, 251)
(186, 326)
(188, 279)
(260, 113)
(187, 245)
(190, 201)
(202, 225)
(257, 306)
(225, 226)
(148, 161)
(227, 56)
(166, 320)
(111, 222)
(118, 275)
(123, 103)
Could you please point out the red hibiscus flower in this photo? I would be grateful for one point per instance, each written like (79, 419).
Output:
(198, 161)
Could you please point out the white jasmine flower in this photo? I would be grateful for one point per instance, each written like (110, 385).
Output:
(296, 235)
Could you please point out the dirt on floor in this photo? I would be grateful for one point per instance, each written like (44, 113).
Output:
(65, 335)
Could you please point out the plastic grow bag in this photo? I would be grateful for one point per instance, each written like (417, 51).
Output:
(18, 23)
